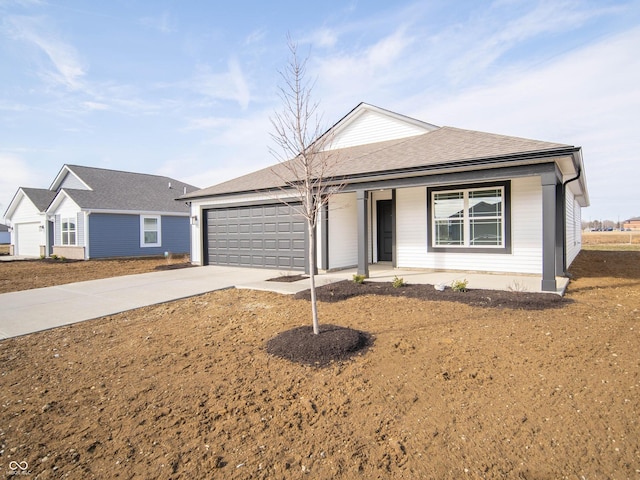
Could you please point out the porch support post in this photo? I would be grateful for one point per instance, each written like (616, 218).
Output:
(560, 234)
(394, 250)
(324, 239)
(363, 260)
(549, 227)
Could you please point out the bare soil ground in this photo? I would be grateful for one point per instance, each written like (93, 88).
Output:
(27, 274)
(446, 390)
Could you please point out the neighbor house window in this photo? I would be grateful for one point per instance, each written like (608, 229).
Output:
(68, 231)
(473, 219)
(150, 231)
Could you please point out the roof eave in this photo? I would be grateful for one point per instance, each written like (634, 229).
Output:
(482, 163)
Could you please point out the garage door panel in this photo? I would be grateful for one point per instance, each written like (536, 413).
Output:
(28, 239)
(270, 236)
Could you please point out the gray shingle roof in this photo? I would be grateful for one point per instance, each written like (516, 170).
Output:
(41, 197)
(442, 146)
(127, 191)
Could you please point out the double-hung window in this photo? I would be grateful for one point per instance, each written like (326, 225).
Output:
(150, 231)
(68, 231)
(471, 219)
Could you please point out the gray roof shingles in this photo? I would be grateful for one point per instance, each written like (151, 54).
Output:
(439, 147)
(41, 197)
(127, 191)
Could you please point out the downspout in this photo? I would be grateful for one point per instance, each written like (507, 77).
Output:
(564, 221)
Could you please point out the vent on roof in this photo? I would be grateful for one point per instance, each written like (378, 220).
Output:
(169, 185)
(184, 190)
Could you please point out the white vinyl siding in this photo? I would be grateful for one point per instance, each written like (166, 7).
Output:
(343, 231)
(526, 244)
(27, 236)
(372, 127)
(68, 209)
(573, 227)
(71, 181)
(411, 227)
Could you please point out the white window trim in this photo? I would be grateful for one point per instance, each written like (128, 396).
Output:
(142, 231)
(466, 221)
(68, 220)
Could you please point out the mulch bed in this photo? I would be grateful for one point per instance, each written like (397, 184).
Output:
(287, 278)
(174, 266)
(333, 343)
(336, 292)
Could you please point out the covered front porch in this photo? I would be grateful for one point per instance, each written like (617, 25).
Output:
(385, 272)
(389, 222)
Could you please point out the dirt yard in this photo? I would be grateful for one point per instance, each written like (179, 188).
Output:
(447, 390)
(28, 274)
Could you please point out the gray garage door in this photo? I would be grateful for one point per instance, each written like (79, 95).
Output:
(268, 236)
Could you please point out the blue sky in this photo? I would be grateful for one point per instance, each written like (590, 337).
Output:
(186, 88)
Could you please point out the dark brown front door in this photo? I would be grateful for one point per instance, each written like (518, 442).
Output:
(385, 231)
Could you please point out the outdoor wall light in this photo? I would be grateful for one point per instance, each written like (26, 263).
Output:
(194, 220)
(41, 228)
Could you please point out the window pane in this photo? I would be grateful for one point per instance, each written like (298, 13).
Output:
(486, 232)
(65, 238)
(485, 203)
(448, 232)
(150, 237)
(448, 205)
(150, 223)
(72, 238)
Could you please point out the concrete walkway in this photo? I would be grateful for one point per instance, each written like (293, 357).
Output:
(31, 311)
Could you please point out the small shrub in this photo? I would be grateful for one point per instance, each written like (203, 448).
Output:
(398, 282)
(54, 257)
(516, 286)
(358, 279)
(459, 285)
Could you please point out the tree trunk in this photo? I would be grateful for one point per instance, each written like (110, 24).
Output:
(312, 279)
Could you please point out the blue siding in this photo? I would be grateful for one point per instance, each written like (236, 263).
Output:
(119, 236)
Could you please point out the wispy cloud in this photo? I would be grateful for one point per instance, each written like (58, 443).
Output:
(161, 23)
(64, 66)
(229, 85)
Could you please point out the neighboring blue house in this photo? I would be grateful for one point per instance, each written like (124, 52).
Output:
(99, 213)
(5, 236)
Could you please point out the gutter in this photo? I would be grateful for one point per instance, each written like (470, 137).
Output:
(564, 222)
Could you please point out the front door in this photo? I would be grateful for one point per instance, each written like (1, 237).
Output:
(385, 230)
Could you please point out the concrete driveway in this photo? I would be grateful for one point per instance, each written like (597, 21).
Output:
(30, 311)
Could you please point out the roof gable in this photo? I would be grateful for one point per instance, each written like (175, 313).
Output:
(40, 198)
(369, 124)
(67, 178)
(114, 190)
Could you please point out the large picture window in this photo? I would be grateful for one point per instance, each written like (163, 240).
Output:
(68, 231)
(471, 219)
(150, 229)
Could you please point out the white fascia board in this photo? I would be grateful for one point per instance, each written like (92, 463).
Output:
(65, 169)
(14, 203)
(134, 212)
(57, 200)
(364, 107)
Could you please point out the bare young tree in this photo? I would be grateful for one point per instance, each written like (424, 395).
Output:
(306, 164)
